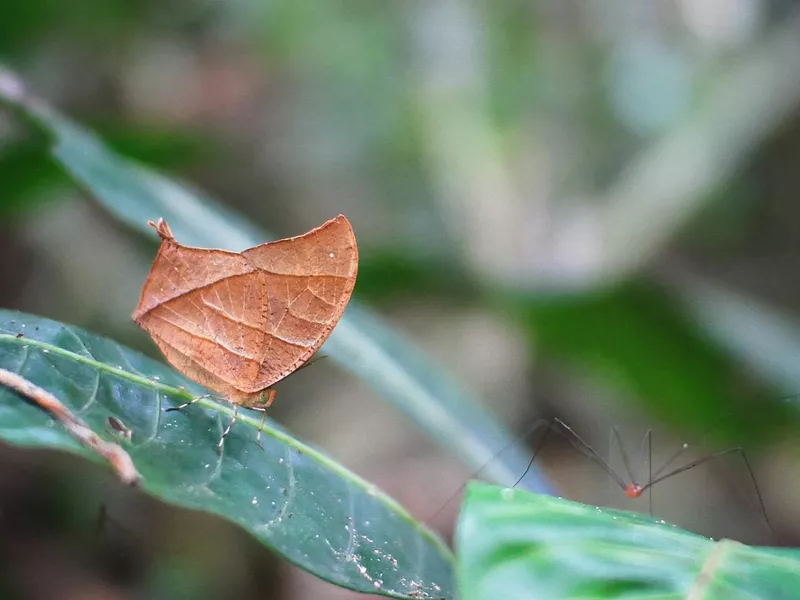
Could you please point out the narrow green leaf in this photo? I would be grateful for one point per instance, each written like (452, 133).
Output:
(512, 544)
(290, 496)
(361, 343)
(638, 338)
(761, 336)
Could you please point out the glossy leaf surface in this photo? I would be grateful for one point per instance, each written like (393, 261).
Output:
(512, 544)
(288, 495)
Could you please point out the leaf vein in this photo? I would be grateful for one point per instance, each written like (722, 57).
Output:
(92, 396)
(220, 455)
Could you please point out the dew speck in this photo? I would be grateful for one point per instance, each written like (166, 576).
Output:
(156, 378)
(377, 584)
(332, 255)
(207, 465)
(255, 501)
(280, 461)
(46, 351)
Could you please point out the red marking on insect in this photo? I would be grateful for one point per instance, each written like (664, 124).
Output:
(633, 490)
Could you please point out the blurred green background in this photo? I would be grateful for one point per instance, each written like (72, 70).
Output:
(579, 210)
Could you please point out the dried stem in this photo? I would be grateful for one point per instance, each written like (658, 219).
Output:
(119, 459)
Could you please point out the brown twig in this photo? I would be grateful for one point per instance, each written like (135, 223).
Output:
(119, 459)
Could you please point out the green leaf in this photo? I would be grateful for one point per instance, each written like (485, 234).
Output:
(291, 497)
(361, 342)
(637, 337)
(26, 177)
(512, 544)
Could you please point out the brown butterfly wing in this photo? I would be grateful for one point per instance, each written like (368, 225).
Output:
(237, 323)
(202, 308)
(308, 280)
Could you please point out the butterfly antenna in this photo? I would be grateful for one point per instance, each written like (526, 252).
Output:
(314, 359)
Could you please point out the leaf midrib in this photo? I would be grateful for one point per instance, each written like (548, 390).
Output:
(308, 451)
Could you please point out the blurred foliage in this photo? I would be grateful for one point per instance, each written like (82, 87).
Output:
(612, 188)
(360, 342)
(635, 336)
(25, 24)
(28, 176)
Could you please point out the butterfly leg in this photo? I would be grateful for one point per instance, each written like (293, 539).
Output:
(263, 409)
(228, 428)
(185, 404)
(263, 412)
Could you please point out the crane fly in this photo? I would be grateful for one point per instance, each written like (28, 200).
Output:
(632, 487)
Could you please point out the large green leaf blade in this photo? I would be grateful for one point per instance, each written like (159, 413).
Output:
(512, 545)
(360, 343)
(291, 497)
